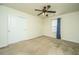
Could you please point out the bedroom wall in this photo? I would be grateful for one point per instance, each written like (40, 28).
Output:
(69, 27)
(34, 24)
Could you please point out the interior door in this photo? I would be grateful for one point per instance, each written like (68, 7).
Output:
(16, 28)
(3, 30)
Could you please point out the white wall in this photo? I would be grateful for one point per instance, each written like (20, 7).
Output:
(34, 23)
(69, 27)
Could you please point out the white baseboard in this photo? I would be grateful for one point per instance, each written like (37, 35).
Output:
(71, 41)
(23, 39)
(2, 46)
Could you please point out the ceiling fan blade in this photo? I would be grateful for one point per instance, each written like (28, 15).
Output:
(37, 10)
(46, 15)
(51, 11)
(40, 13)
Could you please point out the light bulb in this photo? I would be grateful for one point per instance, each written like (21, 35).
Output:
(43, 14)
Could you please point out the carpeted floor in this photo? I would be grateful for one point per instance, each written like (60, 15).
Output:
(41, 46)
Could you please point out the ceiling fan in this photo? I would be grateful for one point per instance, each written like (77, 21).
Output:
(45, 10)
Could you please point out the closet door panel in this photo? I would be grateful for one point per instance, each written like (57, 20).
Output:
(16, 29)
(3, 30)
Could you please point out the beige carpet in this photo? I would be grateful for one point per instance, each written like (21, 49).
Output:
(41, 46)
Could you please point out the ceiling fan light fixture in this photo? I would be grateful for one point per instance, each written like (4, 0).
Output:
(43, 14)
(45, 11)
(48, 6)
(47, 15)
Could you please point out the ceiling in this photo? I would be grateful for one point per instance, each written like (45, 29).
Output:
(60, 8)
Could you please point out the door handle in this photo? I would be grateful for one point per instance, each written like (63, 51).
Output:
(8, 30)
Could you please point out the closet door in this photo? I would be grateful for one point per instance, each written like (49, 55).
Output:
(3, 30)
(16, 29)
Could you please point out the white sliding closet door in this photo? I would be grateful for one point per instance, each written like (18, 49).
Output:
(3, 30)
(16, 29)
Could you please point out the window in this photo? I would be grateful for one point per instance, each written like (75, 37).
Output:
(54, 25)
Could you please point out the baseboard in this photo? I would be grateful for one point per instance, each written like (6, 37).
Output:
(71, 41)
(24, 40)
(2, 46)
(48, 36)
(62, 39)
